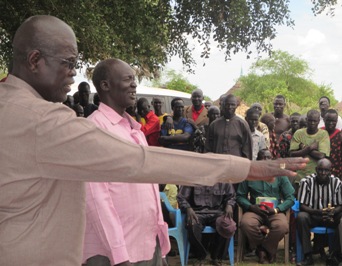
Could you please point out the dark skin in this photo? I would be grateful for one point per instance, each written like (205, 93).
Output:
(294, 120)
(197, 98)
(157, 105)
(312, 150)
(323, 106)
(323, 171)
(282, 122)
(228, 106)
(330, 121)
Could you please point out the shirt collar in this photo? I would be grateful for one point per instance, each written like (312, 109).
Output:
(115, 118)
(195, 111)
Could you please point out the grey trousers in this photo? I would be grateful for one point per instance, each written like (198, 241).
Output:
(100, 260)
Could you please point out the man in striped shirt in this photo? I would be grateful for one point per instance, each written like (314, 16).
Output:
(320, 199)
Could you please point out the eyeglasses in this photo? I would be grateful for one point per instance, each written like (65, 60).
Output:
(71, 64)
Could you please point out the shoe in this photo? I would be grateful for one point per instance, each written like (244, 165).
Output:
(308, 260)
(272, 258)
(262, 257)
(322, 254)
(199, 263)
(216, 262)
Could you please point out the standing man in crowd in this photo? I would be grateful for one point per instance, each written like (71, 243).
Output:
(324, 105)
(311, 142)
(42, 193)
(178, 137)
(335, 136)
(282, 122)
(124, 220)
(157, 106)
(197, 112)
(151, 127)
(259, 143)
(286, 136)
(261, 126)
(316, 193)
(230, 134)
(84, 93)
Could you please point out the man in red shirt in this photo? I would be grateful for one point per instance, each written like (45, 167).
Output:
(197, 112)
(152, 127)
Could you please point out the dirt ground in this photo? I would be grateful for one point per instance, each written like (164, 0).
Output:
(175, 261)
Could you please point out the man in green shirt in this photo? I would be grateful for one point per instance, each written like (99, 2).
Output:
(256, 216)
(310, 142)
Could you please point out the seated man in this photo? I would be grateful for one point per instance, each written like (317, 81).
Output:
(320, 198)
(257, 216)
(208, 206)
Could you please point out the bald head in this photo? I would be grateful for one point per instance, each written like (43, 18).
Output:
(45, 55)
(104, 70)
(43, 33)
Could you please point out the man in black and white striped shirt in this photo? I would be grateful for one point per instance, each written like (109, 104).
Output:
(320, 198)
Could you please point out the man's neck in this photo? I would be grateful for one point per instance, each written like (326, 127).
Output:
(197, 107)
(158, 112)
(177, 118)
(312, 132)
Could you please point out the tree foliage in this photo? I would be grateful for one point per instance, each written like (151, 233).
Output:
(174, 81)
(147, 33)
(283, 74)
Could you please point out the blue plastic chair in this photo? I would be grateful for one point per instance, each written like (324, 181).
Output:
(211, 230)
(178, 232)
(316, 230)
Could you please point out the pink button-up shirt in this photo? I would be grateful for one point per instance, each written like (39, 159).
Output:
(123, 219)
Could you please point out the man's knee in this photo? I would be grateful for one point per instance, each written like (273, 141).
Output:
(248, 223)
(281, 226)
(303, 218)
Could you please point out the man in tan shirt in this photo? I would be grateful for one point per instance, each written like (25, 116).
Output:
(47, 153)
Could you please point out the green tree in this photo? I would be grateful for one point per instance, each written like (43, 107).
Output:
(147, 33)
(174, 81)
(283, 74)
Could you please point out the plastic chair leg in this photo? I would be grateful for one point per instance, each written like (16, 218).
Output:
(231, 250)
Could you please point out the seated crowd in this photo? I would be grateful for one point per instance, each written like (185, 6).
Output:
(219, 129)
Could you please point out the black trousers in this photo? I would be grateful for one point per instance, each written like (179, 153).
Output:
(306, 221)
(217, 243)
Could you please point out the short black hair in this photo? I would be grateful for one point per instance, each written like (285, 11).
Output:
(279, 96)
(295, 114)
(174, 100)
(331, 111)
(324, 97)
(252, 111)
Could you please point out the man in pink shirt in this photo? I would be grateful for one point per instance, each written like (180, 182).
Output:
(124, 220)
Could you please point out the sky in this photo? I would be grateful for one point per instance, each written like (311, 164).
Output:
(316, 39)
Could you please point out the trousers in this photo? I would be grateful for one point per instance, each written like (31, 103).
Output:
(278, 225)
(305, 222)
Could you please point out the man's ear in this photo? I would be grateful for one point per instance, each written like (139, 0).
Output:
(33, 58)
(104, 85)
